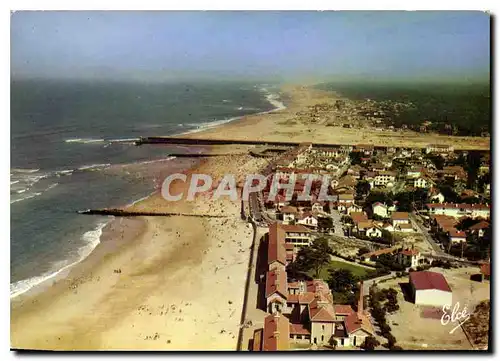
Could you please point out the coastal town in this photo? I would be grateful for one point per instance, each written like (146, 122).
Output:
(407, 236)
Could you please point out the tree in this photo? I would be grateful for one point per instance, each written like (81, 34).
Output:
(362, 187)
(314, 257)
(325, 224)
(370, 343)
(437, 159)
(381, 197)
(363, 250)
(342, 280)
(355, 157)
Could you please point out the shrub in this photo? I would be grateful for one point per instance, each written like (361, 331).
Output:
(370, 343)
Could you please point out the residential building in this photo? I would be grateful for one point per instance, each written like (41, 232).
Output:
(409, 257)
(380, 209)
(385, 178)
(297, 234)
(479, 228)
(308, 219)
(439, 148)
(459, 210)
(288, 214)
(399, 218)
(457, 236)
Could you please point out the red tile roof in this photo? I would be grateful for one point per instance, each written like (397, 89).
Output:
(426, 280)
(410, 252)
(458, 206)
(276, 333)
(379, 252)
(303, 299)
(480, 225)
(298, 228)
(456, 233)
(321, 310)
(276, 283)
(289, 209)
(399, 215)
(355, 322)
(343, 309)
(298, 329)
(276, 246)
(358, 217)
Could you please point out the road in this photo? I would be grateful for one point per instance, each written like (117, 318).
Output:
(435, 247)
(337, 224)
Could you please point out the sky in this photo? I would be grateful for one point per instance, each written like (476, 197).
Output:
(288, 45)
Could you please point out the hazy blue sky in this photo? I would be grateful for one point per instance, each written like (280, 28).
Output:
(164, 45)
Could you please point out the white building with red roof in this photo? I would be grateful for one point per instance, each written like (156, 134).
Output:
(409, 257)
(430, 289)
(458, 210)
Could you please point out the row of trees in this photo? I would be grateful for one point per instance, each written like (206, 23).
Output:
(379, 310)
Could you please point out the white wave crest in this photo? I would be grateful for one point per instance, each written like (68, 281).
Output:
(91, 238)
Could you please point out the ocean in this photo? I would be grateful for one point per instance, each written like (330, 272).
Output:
(67, 135)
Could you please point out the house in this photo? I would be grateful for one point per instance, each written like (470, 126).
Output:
(435, 195)
(308, 219)
(430, 289)
(353, 208)
(317, 207)
(414, 172)
(457, 236)
(455, 172)
(409, 257)
(388, 227)
(366, 149)
(399, 218)
(423, 182)
(288, 214)
(380, 209)
(373, 231)
(479, 228)
(439, 148)
(372, 256)
(404, 227)
(378, 167)
(459, 210)
(385, 178)
(346, 199)
(297, 234)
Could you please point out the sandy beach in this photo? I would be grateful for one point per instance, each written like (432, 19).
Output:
(154, 283)
(176, 283)
(282, 125)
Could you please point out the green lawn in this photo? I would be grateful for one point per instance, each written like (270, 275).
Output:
(356, 270)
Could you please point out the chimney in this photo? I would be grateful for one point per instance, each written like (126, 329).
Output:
(360, 301)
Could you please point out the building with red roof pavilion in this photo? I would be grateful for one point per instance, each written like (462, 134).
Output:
(430, 288)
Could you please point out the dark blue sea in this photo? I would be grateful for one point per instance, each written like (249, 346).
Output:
(66, 135)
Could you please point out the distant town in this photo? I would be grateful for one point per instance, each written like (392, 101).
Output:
(408, 235)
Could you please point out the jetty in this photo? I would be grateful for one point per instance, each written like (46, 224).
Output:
(174, 140)
(118, 212)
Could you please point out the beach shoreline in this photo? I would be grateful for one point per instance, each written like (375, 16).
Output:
(149, 269)
(39, 283)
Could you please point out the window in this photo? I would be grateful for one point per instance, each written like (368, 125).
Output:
(323, 327)
(322, 338)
